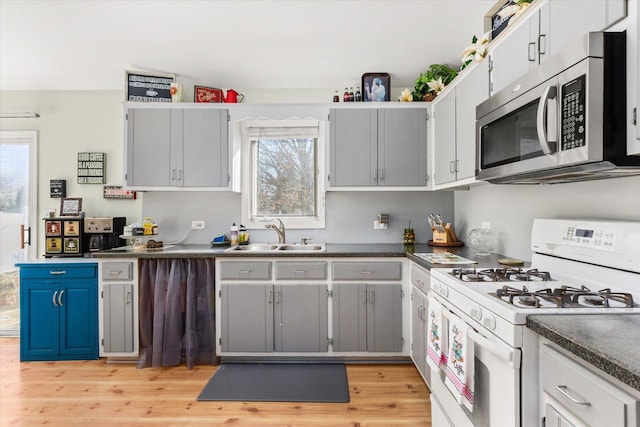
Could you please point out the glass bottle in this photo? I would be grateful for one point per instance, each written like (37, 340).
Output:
(345, 96)
(352, 97)
(358, 94)
(336, 97)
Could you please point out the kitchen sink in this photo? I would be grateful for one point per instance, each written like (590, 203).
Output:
(277, 247)
(303, 248)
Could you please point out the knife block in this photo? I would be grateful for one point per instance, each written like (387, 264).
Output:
(448, 236)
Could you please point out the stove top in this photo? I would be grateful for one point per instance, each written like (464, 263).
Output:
(564, 297)
(500, 275)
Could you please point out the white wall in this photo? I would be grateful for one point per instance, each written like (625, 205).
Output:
(72, 122)
(512, 208)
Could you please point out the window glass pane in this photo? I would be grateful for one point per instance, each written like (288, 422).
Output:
(285, 177)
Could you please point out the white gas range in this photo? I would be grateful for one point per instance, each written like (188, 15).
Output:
(578, 266)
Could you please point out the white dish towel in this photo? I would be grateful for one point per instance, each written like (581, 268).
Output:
(460, 362)
(436, 336)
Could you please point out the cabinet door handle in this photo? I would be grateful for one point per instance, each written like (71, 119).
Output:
(542, 42)
(128, 299)
(57, 272)
(371, 297)
(452, 167)
(277, 297)
(179, 174)
(173, 174)
(53, 300)
(375, 174)
(531, 55)
(564, 390)
(363, 297)
(381, 175)
(270, 297)
(60, 298)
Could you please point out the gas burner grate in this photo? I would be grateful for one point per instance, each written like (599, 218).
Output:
(500, 275)
(563, 297)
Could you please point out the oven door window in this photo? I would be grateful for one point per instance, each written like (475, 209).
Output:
(511, 138)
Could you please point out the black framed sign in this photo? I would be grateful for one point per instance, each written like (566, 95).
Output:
(57, 188)
(148, 87)
(91, 168)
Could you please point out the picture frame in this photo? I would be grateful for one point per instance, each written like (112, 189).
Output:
(141, 86)
(376, 87)
(207, 94)
(70, 206)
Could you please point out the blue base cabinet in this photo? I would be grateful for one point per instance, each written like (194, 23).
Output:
(58, 311)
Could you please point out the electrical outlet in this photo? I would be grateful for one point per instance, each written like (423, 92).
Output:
(197, 225)
(485, 224)
(377, 225)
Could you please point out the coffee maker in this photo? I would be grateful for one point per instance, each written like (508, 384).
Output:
(104, 233)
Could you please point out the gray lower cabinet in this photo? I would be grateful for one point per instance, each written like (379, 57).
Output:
(118, 318)
(378, 147)
(419, 333)
(367, 317)
(118, 307)
(259, 317)
(176, 147)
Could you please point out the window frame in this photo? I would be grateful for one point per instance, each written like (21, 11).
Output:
(249, 176)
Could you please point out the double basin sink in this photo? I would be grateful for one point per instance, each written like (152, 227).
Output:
(278, 247)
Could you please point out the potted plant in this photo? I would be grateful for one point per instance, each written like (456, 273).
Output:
(430, 83)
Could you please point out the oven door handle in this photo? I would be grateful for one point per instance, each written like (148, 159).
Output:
(549, 117)
(508, 355)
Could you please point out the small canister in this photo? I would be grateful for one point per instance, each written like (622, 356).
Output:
(243, 236)
(409, 236)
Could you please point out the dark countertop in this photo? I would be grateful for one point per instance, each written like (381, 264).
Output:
(334, 250)
(610, 342)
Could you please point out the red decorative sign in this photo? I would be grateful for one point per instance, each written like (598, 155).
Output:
(206, 94)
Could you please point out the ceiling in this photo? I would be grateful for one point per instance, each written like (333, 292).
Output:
(265, 44)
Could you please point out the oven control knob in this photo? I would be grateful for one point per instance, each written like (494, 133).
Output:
(476, 313)
(489, 322)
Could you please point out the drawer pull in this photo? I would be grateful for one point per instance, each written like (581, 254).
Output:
(367, 274)
(564, 390)
(57, 272)
(115, 272)
(419, 282)
(301, 271)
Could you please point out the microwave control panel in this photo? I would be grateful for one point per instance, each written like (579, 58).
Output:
(573, 113)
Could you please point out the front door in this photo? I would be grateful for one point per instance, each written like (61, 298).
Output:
(18, 197)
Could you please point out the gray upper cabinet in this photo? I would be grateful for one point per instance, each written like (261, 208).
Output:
(545, 32)
(378, 147)
(176, 147)
(454, 115)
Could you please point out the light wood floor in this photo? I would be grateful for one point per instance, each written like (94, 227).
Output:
(93, 393)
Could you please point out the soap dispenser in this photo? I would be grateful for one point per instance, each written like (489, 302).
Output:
(234, 234)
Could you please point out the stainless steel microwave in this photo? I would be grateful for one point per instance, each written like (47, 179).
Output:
(563, 121)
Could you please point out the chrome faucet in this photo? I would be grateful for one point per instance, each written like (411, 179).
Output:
(280, 230)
